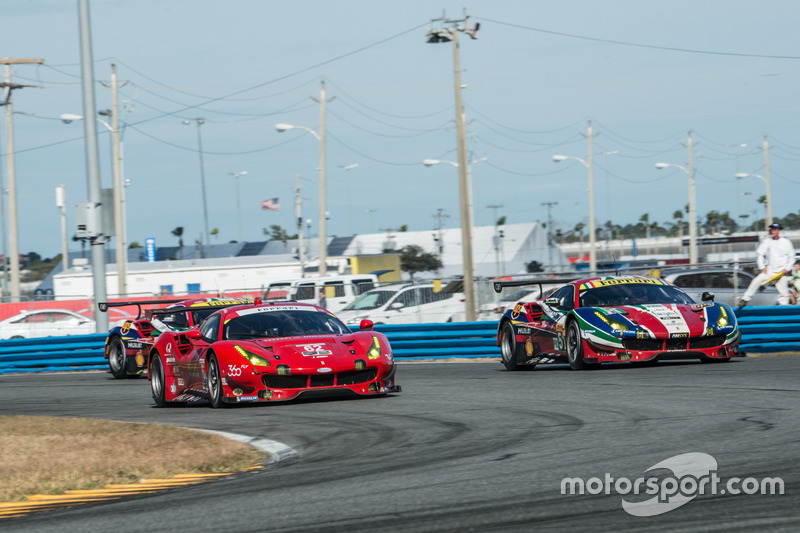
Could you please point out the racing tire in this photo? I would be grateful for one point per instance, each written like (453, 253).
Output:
(117, 358)
(158, 382)
(575, 347)
(510, 351)
(215, 384)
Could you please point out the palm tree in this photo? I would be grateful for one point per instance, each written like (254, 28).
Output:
(178, 232)
(678, 215)
(645, 219)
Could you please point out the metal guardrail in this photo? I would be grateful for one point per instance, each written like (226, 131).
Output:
(765, 329)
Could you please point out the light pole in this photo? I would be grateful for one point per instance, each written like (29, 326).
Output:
(768, 219)
(238, 202)
(692, 216)
(61, 204)
(119, 194)
(349, 167)
(592, 231)
(323, 237)
(200, 122)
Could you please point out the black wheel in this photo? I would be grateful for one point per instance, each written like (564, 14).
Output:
(158, 381)
(510, 351)
(17, 337)
(117, 359)
(215, 383)
(575, 347)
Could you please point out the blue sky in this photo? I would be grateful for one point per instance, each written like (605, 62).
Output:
(644, 72)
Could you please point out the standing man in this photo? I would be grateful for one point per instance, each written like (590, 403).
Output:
(775, 257)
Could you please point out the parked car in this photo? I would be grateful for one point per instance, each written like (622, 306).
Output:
(405, 304)
(720, 282)
(338, 290)
(46, 323)
(610, 319)
(268, 352)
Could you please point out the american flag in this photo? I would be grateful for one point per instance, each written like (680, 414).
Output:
(271, 205)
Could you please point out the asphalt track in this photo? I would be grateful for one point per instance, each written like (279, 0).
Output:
(465, 447)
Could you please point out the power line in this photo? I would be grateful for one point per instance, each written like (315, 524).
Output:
(638, 45)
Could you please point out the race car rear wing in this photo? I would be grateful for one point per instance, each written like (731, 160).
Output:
(499, 285)
(103, 306)
(217, 304)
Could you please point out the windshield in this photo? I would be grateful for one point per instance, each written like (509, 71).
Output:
(369, 300)
(283, 323)
(633, 294)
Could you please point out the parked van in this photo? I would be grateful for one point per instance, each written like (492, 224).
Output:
(331, 292)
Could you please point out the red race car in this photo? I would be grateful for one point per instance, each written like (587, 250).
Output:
(267, 352)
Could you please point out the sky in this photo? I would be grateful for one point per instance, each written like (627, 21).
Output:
(645, 73)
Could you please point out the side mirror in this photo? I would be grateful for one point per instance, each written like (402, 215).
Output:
(553, 302)
(397, 306)
(193, 334)
(707, 297)
(366, 324)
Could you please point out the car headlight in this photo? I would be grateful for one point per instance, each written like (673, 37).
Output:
(722, 321)
(613, 324)
(252, 358)
(374, 351)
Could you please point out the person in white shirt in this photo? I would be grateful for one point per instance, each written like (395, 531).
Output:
(775, 257)
(794, 283)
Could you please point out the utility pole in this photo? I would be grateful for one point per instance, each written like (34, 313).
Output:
(13, 227)
(692, 208)
(549, 206)
(440, 216)
(97, 238)
(323, 216)
(298, 212)
(768, 221)
(464, 188)
(497, 238)
(119, 206)
(592, 229)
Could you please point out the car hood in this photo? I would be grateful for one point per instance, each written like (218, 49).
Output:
(315, 350)
(662, 320)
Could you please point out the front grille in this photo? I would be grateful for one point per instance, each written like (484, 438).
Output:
(303, 381)
(357, 376)
(643, 345)
(673, 345)
(707, 342)
(286, 382)
(321, 380)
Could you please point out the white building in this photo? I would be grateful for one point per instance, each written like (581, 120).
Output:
(251, 266)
